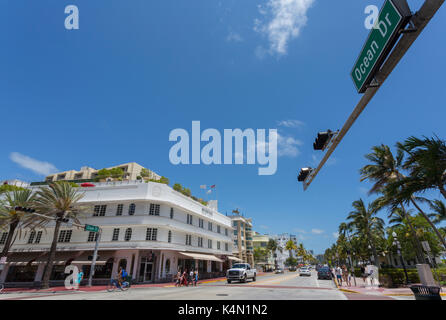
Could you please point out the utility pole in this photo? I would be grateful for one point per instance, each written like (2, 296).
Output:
(95, 256)
(419, 21)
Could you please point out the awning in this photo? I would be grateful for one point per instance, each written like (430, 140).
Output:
(200, 256)
(34, 263)
(88, 262)
(234, 258)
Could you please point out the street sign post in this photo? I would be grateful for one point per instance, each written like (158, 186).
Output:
(89, 227)
(394, 16)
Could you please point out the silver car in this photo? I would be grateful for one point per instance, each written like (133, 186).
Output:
(305, 272)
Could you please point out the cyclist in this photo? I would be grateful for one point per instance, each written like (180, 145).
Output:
(118, 279)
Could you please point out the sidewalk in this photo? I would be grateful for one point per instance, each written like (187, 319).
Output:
(362, 288)
(101, 288)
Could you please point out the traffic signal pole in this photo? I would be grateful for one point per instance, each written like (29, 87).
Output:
(95, 256)
(419, 21)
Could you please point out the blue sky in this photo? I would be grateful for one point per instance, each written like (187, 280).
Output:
(112, 91)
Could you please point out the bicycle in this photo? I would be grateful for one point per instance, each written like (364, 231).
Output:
(113, 284)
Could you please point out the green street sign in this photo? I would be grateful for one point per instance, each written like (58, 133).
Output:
(89, 227)
(394, 16)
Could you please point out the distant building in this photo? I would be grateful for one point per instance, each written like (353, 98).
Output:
(242, 238)
(17, 183)
(261, 241)
(132, 171)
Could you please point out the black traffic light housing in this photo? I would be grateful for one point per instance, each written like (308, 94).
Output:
(303, 174)
(323, 138)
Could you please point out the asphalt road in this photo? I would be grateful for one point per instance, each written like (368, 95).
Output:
(287, 286)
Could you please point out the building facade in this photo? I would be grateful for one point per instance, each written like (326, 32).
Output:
(242, 238)
(148, 228)
(131, 170)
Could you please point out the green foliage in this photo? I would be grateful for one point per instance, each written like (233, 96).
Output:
(112, 173)
(291, 262)
(9, 188)
(186, 191)
(260, 254)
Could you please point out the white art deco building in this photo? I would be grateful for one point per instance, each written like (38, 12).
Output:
(150, 229)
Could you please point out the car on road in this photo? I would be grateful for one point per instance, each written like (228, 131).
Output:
(278, 270)
(324, 273)
(241, 272)
(292, 269)
(304, 271)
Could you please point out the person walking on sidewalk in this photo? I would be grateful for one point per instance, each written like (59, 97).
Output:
(338, 273)
(363, 274)
(195, 278)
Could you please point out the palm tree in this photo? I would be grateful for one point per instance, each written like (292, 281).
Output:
(301, 252)
(57, 201)
(426, 163)
(272, 246)
(384, 170)
(365, 223)
(12, 219)
(290, 246)
(439, 209)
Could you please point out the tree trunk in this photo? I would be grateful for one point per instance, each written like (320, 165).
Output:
(442, 190)
(443, 242)
(375, 254)
(51, 256)
(420, 255)
(12, 226)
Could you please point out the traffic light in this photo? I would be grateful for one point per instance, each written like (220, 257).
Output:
(64, 220)
(323, 138)
(303, 174)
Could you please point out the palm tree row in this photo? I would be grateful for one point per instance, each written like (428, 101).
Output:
(51, 203)
(398, 181)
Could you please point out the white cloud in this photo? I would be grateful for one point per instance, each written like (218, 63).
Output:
(299, 230)
(234, 37)
(288, 18)
(335, 234)
(317, 231)
(290, 123)
(39, 167)
(287, 146)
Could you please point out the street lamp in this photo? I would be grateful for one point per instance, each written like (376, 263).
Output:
(398, 247)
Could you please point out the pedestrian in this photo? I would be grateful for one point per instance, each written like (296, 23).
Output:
(345, 274)
(363, 274)
(195, 278)
(178, 279)
(184, 278)
(80, 276)
(190, 279)
(338, 273)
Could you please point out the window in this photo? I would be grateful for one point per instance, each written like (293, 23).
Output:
(155, 209)
(235, 232)
(99, 210)
(218, 245)
(188, 240)
(200, 223)
(151, 234)
(65, 236)
(92, 236)
(226, 232)
(3, 238)
(234, 223)
(209, 243)
(210, 226)
(115, 234)
(132, 209)
(169, 237)
(189, 219)
(119, 209)
(218, 229)
(128, 234)
(31, 237)
(200, 242)
(171, 213)
(39, 236)
(226, 247)
(235, 242)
